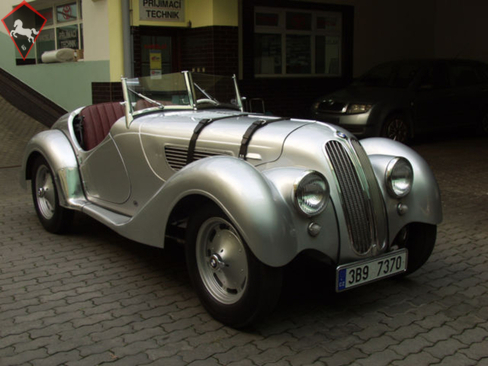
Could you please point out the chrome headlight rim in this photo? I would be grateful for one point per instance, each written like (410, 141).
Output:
(399, 177)
(307, 179)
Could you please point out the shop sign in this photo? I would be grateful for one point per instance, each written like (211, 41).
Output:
(21, 24)
(162, 10)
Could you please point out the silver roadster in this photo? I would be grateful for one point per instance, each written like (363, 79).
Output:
(245, 193)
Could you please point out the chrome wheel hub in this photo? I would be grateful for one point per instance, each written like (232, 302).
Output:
(216, 262)
(222, 260)
(46, 196)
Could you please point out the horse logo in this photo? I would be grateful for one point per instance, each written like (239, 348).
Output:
(19, 29)
(25, 21)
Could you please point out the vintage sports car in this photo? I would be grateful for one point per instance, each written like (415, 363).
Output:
(245, 193)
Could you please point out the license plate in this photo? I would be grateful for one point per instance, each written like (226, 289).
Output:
(362, 272)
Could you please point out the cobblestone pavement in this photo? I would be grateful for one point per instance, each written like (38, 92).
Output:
(92, 297)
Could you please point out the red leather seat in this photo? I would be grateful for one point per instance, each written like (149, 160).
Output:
(97, 120)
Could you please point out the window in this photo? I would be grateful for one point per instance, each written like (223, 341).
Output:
(63, 29)
(297, 43)
(463, 75)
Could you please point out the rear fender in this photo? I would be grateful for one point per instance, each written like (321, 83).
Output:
(250, 201)
(55, 147)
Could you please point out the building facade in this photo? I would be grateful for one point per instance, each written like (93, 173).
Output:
(281, 50)
(287, 52)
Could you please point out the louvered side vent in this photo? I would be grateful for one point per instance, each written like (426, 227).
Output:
(357, 210)
(176, 156)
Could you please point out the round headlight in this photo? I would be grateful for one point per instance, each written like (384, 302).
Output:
(399, 177)
(311, 193)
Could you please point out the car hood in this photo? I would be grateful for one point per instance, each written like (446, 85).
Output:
(224, 136)
(362, 94)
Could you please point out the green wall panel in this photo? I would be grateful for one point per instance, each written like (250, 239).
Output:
(66, 84)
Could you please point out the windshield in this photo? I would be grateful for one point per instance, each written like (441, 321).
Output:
(393, 75)
(214, 90)
(183, 90)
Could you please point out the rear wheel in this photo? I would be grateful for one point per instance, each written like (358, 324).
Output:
(396, 128)
(232, 284)
(53, 217)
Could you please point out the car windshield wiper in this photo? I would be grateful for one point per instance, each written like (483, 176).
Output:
(146, 98)
(205, 93)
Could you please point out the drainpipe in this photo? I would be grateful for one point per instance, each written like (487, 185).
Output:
(127, 40)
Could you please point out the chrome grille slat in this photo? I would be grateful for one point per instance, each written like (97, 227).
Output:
(378, 206)
(360, 217)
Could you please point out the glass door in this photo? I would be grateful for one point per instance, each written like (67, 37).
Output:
(156, 55)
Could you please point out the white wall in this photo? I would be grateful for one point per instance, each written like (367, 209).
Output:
(96, 31)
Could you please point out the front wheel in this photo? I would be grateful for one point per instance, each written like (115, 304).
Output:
(396, 128)
(232, 284)
(419, 239)
(53, 217)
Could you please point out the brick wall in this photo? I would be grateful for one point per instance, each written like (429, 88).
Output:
(213, 48)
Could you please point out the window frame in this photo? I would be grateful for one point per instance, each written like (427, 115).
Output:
(313, 33)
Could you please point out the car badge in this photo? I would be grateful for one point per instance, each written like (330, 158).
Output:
(341, 134)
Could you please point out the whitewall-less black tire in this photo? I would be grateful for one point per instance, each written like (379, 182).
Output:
(53, 217)
(232, 284)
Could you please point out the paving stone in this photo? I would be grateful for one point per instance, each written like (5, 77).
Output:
(94, 359)
(457, 360)
(376, 344)
(68, 345)
(95, 347)
(35, 344)
(237, 354)
(139, 359)
(134, 348)
(24, 357)
(307, 357)
(169, 350)
(406, 332)
(383, 358)
(59, 358)
(342, 358)
(417, 359)
(439, 333)
(476, 351)
(445, 348)
(271, 355)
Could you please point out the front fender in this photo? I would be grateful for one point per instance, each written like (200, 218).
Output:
(250, 201)
(423, 202)
(55, 147)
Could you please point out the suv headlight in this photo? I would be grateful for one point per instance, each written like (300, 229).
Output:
(311, 193)
(399, 177)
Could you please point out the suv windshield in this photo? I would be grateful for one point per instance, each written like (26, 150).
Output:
(183, 90)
